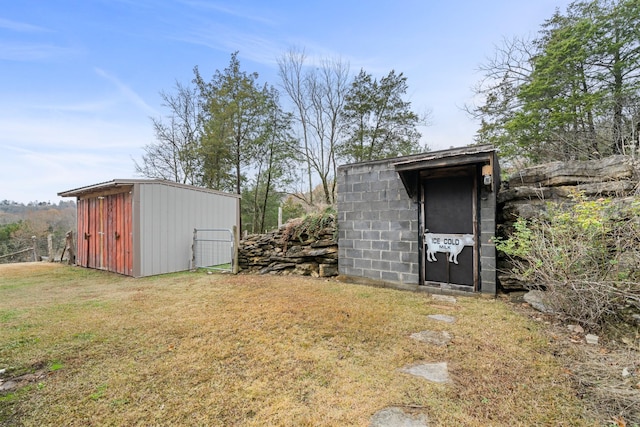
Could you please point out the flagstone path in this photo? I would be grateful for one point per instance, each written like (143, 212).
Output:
(434, 372)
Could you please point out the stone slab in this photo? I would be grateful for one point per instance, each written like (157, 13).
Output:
(444, 298)
(8, 386)
(442, 318)
(439, 338)
(536, 299)
(434, 372)
(397, 417)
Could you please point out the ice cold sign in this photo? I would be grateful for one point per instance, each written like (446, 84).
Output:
(447, 243)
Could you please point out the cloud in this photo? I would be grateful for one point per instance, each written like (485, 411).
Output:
(69, 132)
(80, 107)
(41, 174)
(235, 12)
(252, 47)
(20, 26)
(32, 51)
(127, 92)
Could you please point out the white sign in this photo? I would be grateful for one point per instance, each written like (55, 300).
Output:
(447, 243)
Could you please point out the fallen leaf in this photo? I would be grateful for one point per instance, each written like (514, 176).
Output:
(620, 421)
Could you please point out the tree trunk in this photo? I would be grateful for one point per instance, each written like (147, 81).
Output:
(618, 140)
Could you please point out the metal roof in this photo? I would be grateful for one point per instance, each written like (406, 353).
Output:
(115, 183)
(431, 159)
(409, 167)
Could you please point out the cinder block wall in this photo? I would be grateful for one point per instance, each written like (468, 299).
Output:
(487, 233)
(378, 227)
(377, 224)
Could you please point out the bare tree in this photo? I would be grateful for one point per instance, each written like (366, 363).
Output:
(174, 155)
(292, 81)
(319, 96)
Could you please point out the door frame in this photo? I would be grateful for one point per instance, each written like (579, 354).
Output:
(467, 170)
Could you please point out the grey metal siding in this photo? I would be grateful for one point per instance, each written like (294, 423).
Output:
(137, 231)
(168, 215)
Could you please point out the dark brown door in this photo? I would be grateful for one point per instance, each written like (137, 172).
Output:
(448, 211)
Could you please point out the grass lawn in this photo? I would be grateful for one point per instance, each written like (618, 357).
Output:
(222, 350)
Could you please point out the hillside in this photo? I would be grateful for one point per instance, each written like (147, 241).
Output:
(20, 222)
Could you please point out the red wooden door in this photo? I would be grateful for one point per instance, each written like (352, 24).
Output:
(89, 232)
(104, 233)
(82, 256)
(118, 236)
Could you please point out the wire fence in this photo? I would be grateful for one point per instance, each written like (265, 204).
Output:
(213, 249)
(19, 256)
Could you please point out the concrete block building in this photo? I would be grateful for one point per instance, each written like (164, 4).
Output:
(423, 222)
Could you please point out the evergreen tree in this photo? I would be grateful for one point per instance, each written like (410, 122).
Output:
(379, 123)
(571, 93)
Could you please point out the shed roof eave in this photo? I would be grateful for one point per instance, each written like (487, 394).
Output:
(78, 192)
(452, 157)
(409, 168)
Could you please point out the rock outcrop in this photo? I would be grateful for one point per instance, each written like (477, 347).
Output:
(527, 192)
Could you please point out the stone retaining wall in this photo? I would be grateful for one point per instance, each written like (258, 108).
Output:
(274, 253)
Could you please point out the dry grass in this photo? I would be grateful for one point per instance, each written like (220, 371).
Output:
(197, 349)
(605, 376)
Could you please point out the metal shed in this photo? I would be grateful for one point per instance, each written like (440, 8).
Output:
(425, 221)
(140, 227)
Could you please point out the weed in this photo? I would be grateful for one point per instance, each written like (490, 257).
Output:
(99, 393)
(9, 397)
(584, 254)
(8, 315)
(55, 365)
(84, 336)
(309, 226)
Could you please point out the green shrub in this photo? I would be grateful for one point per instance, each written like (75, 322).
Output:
(585, 254)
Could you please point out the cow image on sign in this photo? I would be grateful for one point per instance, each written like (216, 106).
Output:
(452, 244)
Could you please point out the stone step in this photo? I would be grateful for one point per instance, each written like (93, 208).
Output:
(441, 338)
(434, 372)
(398, 417)
(442, 318)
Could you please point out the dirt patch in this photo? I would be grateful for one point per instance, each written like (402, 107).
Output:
(10, 382)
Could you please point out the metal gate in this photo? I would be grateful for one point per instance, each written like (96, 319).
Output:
(213, 249)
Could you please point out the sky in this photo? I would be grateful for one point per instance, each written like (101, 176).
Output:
(80, 80)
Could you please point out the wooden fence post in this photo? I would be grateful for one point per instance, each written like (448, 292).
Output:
(35, 248)
(193, 249)
(236, 243)
(70, 248)
(52, 254)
